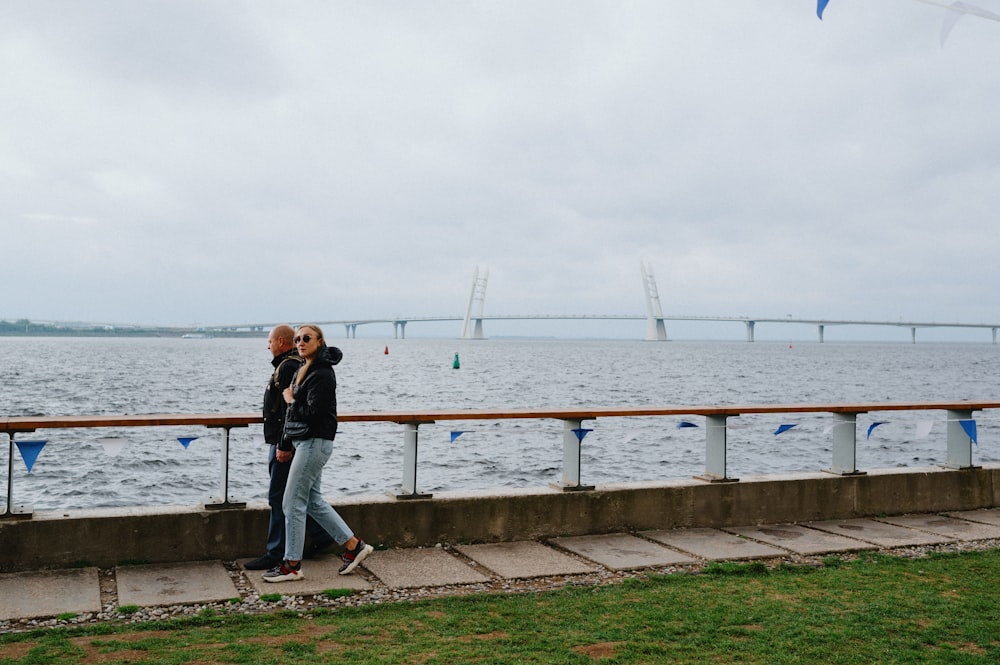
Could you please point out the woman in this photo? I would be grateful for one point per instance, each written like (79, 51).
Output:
(312, 400)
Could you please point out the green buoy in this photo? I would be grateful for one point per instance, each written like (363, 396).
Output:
(454, 363)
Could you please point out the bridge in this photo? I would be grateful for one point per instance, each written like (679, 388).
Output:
(472, 321)
(750, 322)
(472, 327)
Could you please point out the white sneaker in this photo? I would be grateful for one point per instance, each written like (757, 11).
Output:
(284, 572)
(354, 557)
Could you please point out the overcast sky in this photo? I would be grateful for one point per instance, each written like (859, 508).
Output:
(229, 162)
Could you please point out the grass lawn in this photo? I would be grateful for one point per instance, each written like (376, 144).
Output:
(876, 609)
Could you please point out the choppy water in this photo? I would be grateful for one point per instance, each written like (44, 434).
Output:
(86, 376)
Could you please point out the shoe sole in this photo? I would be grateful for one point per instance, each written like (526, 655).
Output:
(285, 578)
(361, 556)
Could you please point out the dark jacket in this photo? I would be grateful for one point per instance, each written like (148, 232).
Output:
(285, 367)
(316, 398)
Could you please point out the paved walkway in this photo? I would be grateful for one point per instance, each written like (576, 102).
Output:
(61, 593)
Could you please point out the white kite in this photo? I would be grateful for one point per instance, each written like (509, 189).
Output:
(957, 10)
(953, 12)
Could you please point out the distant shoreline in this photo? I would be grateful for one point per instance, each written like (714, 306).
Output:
(53, 331)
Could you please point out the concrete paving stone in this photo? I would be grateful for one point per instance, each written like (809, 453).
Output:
(524, 559)
(986, 516)
(880, 533)
(49, 593)
(621, 551)
(174, 583)
(946, 526)
(411, 568)
(319, 575)
(800, 539)
(714, 544)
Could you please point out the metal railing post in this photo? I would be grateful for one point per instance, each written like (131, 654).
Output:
(959, 441)
(715, 450)
(845, 445)
(10, 477)
(572, 443)
(223, 500)
(20, 511)
(409, 486)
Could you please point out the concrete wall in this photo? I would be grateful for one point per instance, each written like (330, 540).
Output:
(108, 537)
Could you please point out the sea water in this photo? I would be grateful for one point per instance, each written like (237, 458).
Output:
(46, 376)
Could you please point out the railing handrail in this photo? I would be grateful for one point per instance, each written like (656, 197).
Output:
(30, 423)
(960, 433)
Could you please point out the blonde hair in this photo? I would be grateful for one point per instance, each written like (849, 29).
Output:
(301, 375)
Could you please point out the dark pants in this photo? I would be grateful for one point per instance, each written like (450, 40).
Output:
(275, 495)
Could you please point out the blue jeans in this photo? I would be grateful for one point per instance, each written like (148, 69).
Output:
(276, 524)
(303, 497)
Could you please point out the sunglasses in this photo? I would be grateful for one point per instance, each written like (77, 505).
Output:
(303, 338)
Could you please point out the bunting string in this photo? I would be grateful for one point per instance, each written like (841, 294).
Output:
(113, 445)
(922, 429)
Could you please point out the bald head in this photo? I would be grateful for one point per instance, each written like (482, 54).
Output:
(280, 339)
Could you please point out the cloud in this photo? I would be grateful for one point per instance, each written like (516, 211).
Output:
(215, 162)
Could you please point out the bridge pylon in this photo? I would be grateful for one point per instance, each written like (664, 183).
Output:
(656, 331)
(473, 326)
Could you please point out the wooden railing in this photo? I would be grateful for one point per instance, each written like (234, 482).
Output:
(844, 432)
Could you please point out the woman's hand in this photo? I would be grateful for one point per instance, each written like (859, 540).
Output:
(283, 455)
(287, 394)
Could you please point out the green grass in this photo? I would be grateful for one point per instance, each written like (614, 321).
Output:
(337, 593)
(877, 609)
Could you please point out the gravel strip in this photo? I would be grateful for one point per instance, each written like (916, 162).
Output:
(251, 603)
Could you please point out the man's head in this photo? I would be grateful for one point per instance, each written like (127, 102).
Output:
(280, 339)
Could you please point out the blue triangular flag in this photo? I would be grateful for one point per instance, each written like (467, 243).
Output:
(784, 428)
(685, 423)
(970, 428)
(29, 451)
(185, 440)
(455, 435)
(581, 432)
(873, 426)
(820, 6)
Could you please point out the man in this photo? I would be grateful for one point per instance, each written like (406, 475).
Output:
(286, 363)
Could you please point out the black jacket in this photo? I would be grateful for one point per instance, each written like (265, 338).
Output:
(316, 398)
(285, 367)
